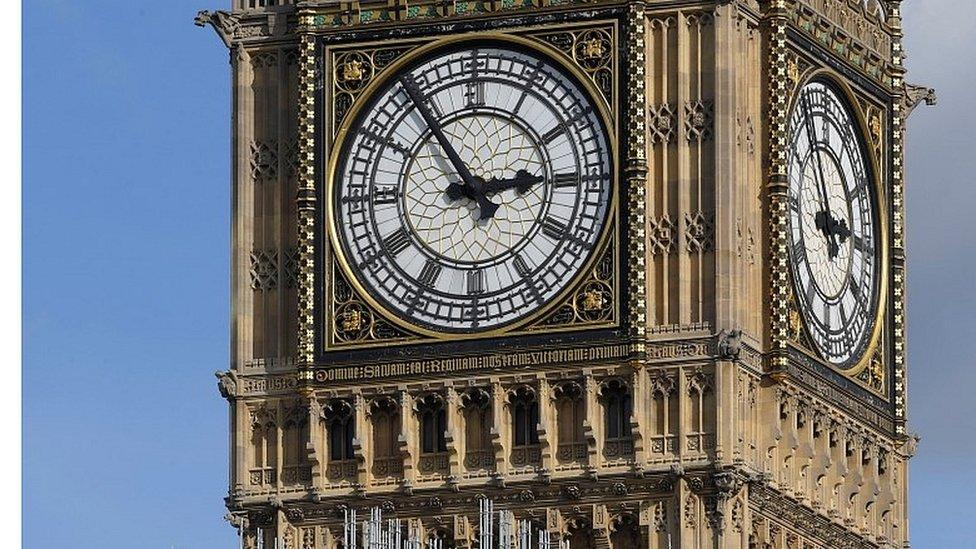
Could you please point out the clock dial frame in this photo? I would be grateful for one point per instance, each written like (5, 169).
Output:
(837, 229)
(435, 261)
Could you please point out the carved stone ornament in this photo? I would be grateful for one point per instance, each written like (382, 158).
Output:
(593, 301)
(916, 95)
(354, 70)
(662, 124)
(874, 374)
(592, 50)
(227, 384)
(353, 321)
(294, 514)
(699, 117)
(225, 24)
(730, 344)
(699, 231)
(661, 235)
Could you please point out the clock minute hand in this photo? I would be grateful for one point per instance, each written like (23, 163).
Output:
(823, 218)
(474, 187)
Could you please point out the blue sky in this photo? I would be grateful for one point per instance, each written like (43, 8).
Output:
(126, 208)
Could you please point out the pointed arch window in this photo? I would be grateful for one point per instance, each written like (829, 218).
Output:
(293, 444)
(477, 413)
(385, 418)
(264, 446)
(616, 399)
(524, 405)
(570, 417)
(340, 421)
(525, 417)
(432, 413)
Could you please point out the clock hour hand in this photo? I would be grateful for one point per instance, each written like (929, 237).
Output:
(475, 190)
(522, 182)
(487, 208)
(835, 228)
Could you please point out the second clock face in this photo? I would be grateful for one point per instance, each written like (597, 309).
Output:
(834, 243)
(472, 188)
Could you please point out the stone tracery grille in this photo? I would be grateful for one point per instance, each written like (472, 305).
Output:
(662, 122)
(699, 231)
(661, 235)
(698, 120)
(263, 160)
(264, 269)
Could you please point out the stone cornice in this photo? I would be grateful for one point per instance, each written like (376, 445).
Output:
(792, 515)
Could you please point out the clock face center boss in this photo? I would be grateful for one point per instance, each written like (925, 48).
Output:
(472, 186)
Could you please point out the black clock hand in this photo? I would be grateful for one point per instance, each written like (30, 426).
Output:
(486, 207)
(522, 182)
(824, 220)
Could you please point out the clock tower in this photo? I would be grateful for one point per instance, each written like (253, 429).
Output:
(567, 274)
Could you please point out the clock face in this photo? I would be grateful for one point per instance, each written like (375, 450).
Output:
(834, 242)
(472, 188)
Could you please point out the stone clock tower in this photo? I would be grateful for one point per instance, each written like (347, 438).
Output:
(564, 273)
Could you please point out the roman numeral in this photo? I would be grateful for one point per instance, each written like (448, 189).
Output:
(386, 194)
(396, 242)
(825, 131)
(476, 283)
(552, 134)
(474, 94)
(429, 274)
(372, 136)
(855, 288)
(862, 246)
(553, 228)
(521, 267)
(570, 179)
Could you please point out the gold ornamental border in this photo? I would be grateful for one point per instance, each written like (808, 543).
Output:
(472, 363)
(555, 56)
(851, 98)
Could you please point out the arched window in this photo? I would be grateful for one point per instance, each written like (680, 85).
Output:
(385, 417)
(432, 413)
(525, 417)
(432, 416)
(570, 415)
(264, 446)
(579, 533)
(476, 408)
(340, 422)
(525, 427)
(616, 405)
(616, 399)
(625, 532)
(294, 440)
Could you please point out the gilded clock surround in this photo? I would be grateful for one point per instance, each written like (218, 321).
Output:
(748, 402)
(587, 53)
(866, 131)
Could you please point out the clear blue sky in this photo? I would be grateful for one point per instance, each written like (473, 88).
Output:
(126, 113)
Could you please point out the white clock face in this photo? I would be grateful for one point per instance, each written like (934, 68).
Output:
(834, 242)
(472, 188)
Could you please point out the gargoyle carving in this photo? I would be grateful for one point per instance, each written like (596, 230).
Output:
(225, 24)
(227, 384)
(915, 95)
(730, 344)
